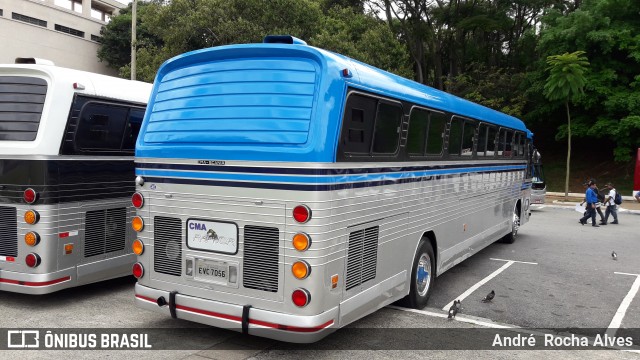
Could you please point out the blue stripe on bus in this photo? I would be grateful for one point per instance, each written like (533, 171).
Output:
(287, 186)
(303, 171)
(306, 183)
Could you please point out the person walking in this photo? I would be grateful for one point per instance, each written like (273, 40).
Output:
(612, 207)
(592, 199)
(599, 196)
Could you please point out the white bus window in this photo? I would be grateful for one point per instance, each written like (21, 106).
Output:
(21, 104)
(132, 129)
(101, 127)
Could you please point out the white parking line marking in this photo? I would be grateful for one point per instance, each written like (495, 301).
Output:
(622, 310)
(458, 318)
(485, 280)
(490, 324)
(521, 262)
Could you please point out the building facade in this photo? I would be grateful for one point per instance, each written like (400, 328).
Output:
(63, 31)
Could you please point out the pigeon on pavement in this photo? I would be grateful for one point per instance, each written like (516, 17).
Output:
(453, 310)
(489, 296)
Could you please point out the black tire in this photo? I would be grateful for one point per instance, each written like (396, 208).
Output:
(418, 296)
(511, 237)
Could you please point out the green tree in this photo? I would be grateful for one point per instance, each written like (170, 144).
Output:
(609, 32)
(115, 39)
(566, 83)
(363, 38)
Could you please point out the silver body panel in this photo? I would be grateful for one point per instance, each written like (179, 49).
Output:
(465, 211)
(66, 270)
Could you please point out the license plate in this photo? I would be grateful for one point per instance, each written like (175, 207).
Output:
(213, 271)
(216, 236)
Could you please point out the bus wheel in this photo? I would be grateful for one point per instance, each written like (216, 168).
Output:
(422, 277)
(510, 238)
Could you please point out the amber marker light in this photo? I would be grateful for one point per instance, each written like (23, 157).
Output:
(138, 247)
(31, 217)
(137, 223)
(301, 241)
(300, 269)
(32, 238)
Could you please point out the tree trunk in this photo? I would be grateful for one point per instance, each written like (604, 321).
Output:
(566, 180)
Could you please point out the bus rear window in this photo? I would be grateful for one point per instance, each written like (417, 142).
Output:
(21, 104)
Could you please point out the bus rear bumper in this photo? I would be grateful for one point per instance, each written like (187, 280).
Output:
(36, 284)
(264, 323)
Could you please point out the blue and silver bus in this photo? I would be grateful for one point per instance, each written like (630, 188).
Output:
(287, 191)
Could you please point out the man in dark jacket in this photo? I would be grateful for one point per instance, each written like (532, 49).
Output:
(591, 199)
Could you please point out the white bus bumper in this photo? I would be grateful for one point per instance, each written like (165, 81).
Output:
(37, 284)
(264, 323)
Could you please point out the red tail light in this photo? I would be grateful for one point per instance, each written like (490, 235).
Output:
(32, 260)
(301, 297)
(30, 196)
(137, 200)
(301, 213)
(138, 270)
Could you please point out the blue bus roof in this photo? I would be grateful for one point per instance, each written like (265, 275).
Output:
(271, 102)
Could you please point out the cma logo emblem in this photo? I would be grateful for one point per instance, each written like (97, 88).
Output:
(23, 339)
(197, 226)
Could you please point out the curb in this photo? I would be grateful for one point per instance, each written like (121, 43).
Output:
(557, 204)
(581, 195)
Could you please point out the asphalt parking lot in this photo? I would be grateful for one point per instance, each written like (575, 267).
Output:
(558, 275)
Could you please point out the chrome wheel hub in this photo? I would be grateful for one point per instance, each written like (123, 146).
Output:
(423, 276)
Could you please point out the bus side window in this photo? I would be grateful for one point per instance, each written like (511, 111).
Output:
(132, 129)
(426, 132)
(101, 127)
(387, 129)
(491, 141)
(435, 137)
(508, 149)
(455, 136)
(469, 132)
(482, 140)
(521, 146)
(418, 129)
(358, 121)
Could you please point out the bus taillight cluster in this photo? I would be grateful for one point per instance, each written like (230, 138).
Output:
(31, 217)
(300, 268)
(137, 200)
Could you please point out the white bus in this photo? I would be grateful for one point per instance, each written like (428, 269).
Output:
(66, 161)
(287, 191)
